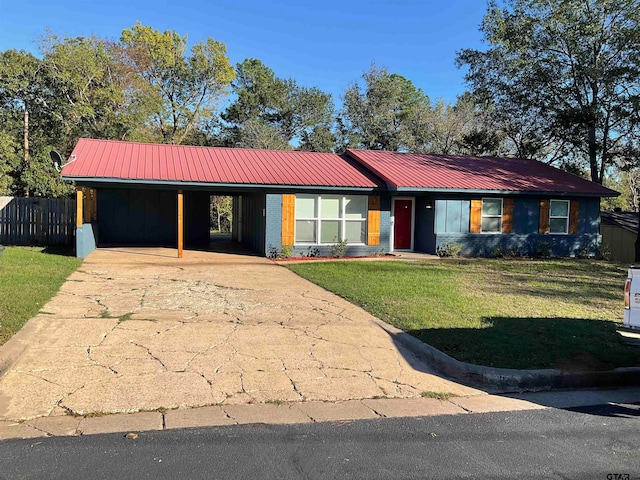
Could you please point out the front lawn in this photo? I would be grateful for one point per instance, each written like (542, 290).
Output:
(502, 313)
(29, 277)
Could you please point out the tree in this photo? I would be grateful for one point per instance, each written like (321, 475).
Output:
(627, 184)
(91, 94)
(388, 112)
(22, 92)
(9, 163)
(385, 113)
(221, 212)
(570, 66)
(272, 112)
(181, 91)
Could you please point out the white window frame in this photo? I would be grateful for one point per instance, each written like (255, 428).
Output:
(342, 219)
(555, 217)
(482, 216)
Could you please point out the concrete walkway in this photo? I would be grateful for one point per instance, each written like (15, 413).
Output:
(138, 330)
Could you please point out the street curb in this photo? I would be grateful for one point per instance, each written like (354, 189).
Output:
(13, 348)
(511, 380)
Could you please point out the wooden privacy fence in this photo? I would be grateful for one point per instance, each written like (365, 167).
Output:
(37, 221)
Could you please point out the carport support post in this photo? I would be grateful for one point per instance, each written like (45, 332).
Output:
(180, 222)
(79, 217)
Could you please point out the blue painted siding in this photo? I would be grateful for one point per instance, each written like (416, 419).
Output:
(526, 215)
(86, 239)
(137, 217)
(149, 217)
(425, 238)
(196, 219)
(589, 216)
(253, 222)
(273, 237)
(487, 245)
(385, 224)
(525, 239)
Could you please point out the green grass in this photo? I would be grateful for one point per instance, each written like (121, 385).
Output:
(444, 396)
(29, 277)
(503, 313)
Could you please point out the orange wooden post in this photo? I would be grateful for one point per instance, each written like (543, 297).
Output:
(180, 222)
(79, 199)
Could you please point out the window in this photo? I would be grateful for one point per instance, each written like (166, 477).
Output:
(324, 219)
(452, 216)
(559, 216)
(491, 215)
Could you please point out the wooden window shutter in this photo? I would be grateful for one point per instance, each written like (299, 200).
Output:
(373, 221)
(288, 218)
(507, 215)
(476, 216)
(574, 207)
(545, 205)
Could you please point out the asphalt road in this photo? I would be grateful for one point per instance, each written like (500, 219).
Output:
(601, 442)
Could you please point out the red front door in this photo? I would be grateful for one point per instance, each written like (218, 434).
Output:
(402, 224)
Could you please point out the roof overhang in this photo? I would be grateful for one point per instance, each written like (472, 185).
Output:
(97, 182)
(458, 191)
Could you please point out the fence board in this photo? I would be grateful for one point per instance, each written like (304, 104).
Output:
(37, 221)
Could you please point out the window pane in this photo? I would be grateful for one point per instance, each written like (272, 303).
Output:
(356, 232)
(330, 207)
(305, 206)
(356, 207)
(330, 231)
(558, 225)
(306, 231)
(559, 208)
(491, 224)
(492, 206)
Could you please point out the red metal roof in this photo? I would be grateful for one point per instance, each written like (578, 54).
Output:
(109, 160)
(423, 171)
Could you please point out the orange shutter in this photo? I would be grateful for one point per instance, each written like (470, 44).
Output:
(288, 218)
(507, 215)
(545, 205)
(574, 206)
(373, 221)
(476, 216)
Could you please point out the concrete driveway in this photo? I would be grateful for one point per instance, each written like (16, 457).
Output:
(139, 330)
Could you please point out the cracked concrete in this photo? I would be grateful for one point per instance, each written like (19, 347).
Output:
(138, 330)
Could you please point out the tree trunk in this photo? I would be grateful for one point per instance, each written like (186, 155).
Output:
(593, 155)
(26, 147)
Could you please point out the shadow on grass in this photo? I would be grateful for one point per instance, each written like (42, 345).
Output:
(572, 290)
(567, 344)
(60, 251)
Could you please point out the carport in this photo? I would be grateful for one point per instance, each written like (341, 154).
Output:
(137, 194)
(140, 216)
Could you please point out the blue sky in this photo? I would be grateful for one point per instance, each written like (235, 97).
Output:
(326, 43)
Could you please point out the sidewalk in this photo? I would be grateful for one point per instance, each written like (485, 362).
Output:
(309, 412)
